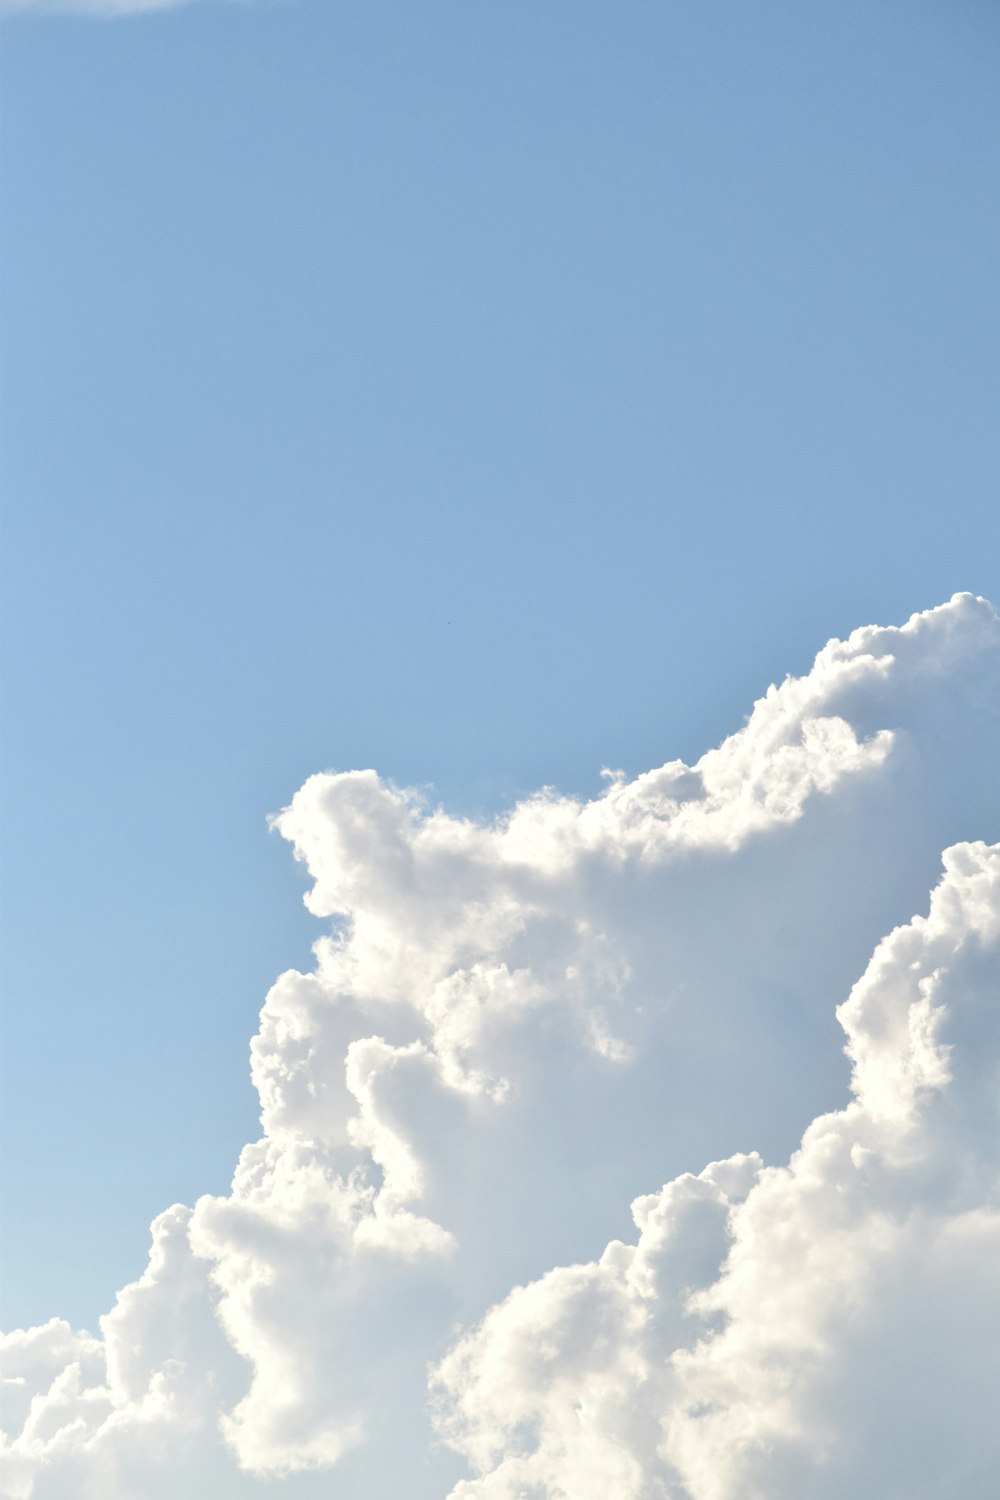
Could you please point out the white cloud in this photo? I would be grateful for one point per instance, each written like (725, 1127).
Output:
(514, 1028)
(816, 1336)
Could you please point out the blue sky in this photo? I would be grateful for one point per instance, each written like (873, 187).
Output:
(483, 394)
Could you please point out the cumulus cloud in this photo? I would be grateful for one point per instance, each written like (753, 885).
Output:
(809, 1330)
(512, 1030)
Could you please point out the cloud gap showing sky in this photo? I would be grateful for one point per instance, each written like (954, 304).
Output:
(644, 1146)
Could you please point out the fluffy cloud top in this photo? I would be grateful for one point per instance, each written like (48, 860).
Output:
(515, 1028)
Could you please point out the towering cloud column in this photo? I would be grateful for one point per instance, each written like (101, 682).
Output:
(514, 1030)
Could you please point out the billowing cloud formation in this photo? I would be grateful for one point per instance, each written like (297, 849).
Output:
(514, 1029)
(816, 1329)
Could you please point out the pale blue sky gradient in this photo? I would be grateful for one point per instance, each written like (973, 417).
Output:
(483, 393)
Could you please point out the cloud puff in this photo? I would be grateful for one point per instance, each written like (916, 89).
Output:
(814, 1330)
(514, 1028)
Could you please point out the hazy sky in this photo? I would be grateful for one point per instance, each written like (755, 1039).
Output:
(482, 394)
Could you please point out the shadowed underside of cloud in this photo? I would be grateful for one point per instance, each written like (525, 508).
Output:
(513, 1030)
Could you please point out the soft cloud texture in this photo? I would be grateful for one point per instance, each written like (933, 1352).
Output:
(816, 1329)
(514, 1029)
